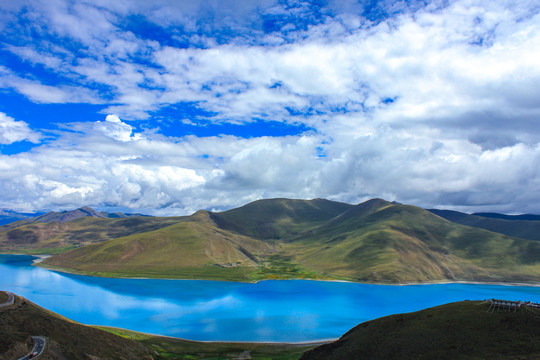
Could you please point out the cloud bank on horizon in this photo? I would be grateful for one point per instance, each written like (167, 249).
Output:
(168, 107)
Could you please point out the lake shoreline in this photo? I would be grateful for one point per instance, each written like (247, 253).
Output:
(431, 282)
(277, 343)
(41, 257)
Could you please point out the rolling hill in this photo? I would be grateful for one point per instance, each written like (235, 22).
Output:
(192, 248)
(376, 241)
(278, 218)
(463, 330)
(386, 242)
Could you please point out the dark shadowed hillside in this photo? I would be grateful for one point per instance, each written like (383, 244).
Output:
(463, 330)
(278, 218)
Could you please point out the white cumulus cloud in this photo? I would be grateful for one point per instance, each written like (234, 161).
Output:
(12, 131)
(433, 104)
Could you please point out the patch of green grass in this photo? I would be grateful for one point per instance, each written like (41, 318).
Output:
(171, 348)
(284, 267)
(208, 272)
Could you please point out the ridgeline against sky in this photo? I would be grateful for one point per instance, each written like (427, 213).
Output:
(167, 107)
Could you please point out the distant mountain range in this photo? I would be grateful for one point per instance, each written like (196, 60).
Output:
(376, 241)
(9, 216)
(524, 226)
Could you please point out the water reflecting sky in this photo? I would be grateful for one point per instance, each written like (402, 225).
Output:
(290, 311)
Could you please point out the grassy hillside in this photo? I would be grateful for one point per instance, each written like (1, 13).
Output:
(172, 348)
(402, 243)
(193, 248)
(278, 218)
(524, 229)
(65, 338)
(463, 330)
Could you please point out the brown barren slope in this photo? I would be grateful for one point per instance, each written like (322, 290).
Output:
(65, 339)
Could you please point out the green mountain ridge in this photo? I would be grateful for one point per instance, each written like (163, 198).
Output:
(375, 241)
(402, 243)
(278, 218)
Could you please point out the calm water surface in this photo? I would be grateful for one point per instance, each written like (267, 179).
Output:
(291, 311)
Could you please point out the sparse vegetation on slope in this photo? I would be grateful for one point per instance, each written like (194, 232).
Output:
(33, 237)
(65, 338)
(463, 330)
(171, 348)
(194, 248)
(279, 218)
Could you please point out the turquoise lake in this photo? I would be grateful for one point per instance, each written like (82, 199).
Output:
(278, 311)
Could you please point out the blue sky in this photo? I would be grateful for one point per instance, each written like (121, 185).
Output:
(167, 107)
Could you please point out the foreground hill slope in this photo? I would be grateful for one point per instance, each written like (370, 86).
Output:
(65, 338)
(463, 330)
(376, 241)
(68, 340)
